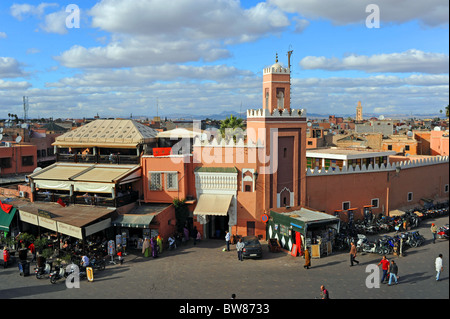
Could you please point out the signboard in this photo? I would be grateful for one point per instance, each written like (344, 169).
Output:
(28, 217)
(47, 223)
(70, 230)
(162, 151)
(44, 213)
(111, 248)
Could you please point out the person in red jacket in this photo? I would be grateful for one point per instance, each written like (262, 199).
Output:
(6, 257)
(32, 251)
(385, 267)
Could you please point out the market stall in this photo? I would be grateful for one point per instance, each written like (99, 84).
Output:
(297, 227)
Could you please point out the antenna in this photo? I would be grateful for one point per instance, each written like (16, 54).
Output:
(289, 53)
(26, 106)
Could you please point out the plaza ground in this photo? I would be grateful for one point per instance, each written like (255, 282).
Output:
(204, 271)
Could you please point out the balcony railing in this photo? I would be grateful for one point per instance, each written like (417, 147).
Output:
(98, 159)
(79, 199)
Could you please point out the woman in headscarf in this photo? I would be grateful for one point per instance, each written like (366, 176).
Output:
(145, 248)
(307, 259)
(159, 242)
(154, 247)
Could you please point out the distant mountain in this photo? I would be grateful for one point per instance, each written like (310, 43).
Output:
(223, 115)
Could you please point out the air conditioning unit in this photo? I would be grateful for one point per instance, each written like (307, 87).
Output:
(23, 194)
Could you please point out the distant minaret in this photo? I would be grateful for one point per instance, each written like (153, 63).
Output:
(359, 116)
(276, 87)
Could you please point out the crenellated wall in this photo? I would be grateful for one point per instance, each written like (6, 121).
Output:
(399, 185)
(380, 168)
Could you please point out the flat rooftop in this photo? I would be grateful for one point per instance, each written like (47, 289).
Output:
(346, 153)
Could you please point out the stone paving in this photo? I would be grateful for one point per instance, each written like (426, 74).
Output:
(204, 271)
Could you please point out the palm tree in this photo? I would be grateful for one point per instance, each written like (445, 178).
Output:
(232, 126)
(446, 111)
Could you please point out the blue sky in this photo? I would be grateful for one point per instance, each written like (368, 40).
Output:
(206, 56)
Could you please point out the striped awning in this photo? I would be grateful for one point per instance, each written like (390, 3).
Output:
(136, 221)
(212, 204)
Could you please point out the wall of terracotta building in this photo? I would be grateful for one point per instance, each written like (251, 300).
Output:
(249, 204)
(166, 222)
(399, 146)
(182, 165)
(439, 143)
(327, 192)
(423, 138)
(15, 153)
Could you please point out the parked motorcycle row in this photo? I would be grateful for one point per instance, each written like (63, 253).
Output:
(46, 269)
(404, 238)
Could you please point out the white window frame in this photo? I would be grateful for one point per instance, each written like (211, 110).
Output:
(349, 206)
(412, 197)
(167, 178)
(378, 202)
(150, 181)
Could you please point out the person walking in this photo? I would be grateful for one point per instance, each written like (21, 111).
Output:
(307, 259)
(32, 251)
(434, 232)
(240, 249)
(385, 267)
(353, 254)
(393, 272)
(324, 293)
(439, 266)
(227, 239)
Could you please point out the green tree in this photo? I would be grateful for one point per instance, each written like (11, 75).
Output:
(232, 127)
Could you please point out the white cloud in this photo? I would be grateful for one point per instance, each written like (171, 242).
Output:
(10, 68)
(408, 61)
(152, 32)
(55, 22)
(3, 35)
(431, 13)
(20, 11)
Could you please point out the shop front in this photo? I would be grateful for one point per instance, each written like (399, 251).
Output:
(144, 222)
(72, 221)
(298, 228)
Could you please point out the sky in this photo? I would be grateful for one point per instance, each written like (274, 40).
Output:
(123, 58)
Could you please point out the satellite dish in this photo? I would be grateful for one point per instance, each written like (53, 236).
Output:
(1, 137)
(18, 139)
(37, 169)
(1, 130)
(381, 117)
(309, 124)
(410, 134)
(437, 128)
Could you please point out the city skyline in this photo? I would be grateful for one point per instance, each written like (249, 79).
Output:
(205, 57)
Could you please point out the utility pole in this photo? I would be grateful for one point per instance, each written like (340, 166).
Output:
(289, 53)
(26, 106)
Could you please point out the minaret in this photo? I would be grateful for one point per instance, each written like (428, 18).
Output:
(359, 116)
(276, 87)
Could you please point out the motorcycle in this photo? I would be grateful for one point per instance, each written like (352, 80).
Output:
(443, 232)
(43, 271)
(98, 264)
(365, 246)
(59, 273)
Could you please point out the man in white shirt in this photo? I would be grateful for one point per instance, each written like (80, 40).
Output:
(439, 266)
(84, 261)
(227, 239)
(240, 247)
